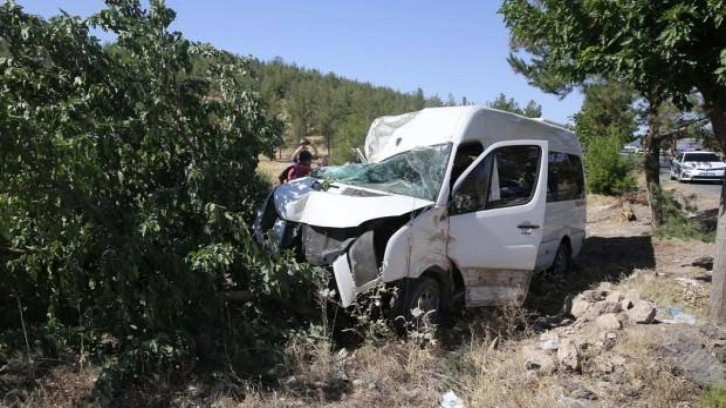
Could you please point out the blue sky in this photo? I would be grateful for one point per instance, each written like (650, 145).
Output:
(456, 46)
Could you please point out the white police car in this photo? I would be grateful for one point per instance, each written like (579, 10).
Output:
(699, 165)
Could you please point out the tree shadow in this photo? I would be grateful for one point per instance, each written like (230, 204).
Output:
(602, 259)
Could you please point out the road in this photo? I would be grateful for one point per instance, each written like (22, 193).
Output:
(708, 189)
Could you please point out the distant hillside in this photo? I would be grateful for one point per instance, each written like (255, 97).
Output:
(336, 108)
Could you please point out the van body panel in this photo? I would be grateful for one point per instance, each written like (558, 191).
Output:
(418, 246)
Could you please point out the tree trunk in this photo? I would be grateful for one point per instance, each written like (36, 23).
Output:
(652, 165)
(652, 180)
(717, 114)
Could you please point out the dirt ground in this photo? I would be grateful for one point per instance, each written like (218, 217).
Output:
(627, 328)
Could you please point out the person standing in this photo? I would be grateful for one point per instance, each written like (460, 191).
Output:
(303, 147)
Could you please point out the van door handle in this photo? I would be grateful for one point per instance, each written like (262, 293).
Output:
(528, 226)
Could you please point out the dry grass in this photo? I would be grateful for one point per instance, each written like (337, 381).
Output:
(62, 386)
(480, 358)
(271, 169)
(666, 292)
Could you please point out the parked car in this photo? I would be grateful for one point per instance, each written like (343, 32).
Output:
(632, 149)
(698, 165)
(454, 203)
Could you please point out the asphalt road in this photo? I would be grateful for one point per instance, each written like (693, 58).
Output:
(706, 188)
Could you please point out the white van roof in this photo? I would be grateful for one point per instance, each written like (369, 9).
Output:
(389, 135)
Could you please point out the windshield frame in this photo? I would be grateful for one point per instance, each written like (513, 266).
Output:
(447, 149)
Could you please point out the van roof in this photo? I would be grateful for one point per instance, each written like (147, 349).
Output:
(389, 135)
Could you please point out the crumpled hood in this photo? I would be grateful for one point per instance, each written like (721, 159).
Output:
(298, 202)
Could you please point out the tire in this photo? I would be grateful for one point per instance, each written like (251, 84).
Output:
(563, 260)
(425, 294)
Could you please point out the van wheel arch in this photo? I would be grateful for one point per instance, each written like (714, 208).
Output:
(407, 285)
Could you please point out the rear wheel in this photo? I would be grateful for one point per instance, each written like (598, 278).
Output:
(563, 259)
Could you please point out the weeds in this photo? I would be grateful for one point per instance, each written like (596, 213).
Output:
(678, 222)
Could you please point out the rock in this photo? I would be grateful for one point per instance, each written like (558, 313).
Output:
(698, 365)
(627, 213)
(608, 340)
(579, 307)
(626, 304)
(595, 310)
(643, 312)
(357, 382)
(618, 360)
(603, 365)
(609, 307)
(578, 391)
(538, 360)
(605, 286)
(614, 297)
(549, 341)
(568, 355)
(608, 321)
(591, 295)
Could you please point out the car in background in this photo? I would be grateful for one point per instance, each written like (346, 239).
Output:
(698, 165)
(632, 149)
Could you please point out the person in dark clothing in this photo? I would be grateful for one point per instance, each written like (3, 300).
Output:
(302, 168)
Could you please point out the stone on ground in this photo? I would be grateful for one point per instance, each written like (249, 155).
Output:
(608, 321)
(643, 312)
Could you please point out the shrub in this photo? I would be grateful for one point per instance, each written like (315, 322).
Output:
(606, 171)
(127, 181)
(678, 224)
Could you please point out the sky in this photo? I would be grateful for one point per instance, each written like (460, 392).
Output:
(456, 47)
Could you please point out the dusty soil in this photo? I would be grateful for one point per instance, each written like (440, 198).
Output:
(575, 343)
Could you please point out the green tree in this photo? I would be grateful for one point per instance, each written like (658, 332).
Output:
(607, 104)
(605, 123)
(127, 180)
(664, 50)
(532, 110)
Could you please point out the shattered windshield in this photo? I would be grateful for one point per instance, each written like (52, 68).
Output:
(416, 173)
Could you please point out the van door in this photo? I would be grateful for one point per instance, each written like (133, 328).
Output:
(497, 213)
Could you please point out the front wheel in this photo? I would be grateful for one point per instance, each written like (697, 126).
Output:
(421, 301)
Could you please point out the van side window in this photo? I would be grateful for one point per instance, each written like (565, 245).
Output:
(506, 177)
(466, 154)
(565, 180)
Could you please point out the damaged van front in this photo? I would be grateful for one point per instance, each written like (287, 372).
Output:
(352, 218)
(452, 203)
